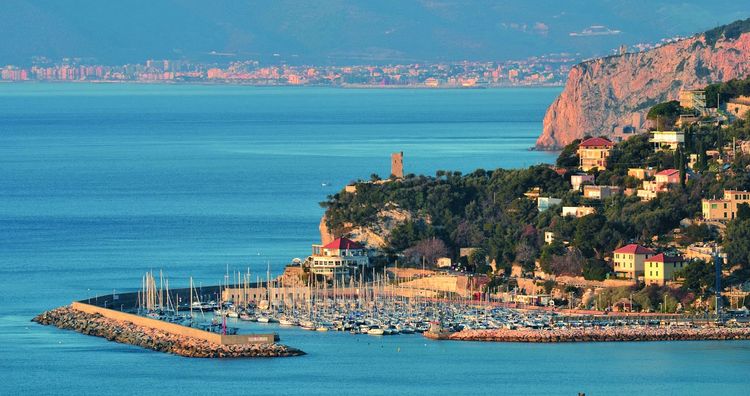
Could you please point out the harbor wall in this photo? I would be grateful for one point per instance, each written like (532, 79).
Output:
(174, 328)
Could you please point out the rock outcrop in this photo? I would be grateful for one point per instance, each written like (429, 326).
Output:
(609, 96)
(129, 333)
(374, 235)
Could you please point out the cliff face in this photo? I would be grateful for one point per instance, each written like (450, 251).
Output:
(606, 96)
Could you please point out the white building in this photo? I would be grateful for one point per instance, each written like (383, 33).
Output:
(339, 257)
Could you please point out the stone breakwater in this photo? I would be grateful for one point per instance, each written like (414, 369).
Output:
(604, 335)
(157, 340)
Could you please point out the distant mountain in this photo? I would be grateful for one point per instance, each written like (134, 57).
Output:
(342, 31)
(604, 96)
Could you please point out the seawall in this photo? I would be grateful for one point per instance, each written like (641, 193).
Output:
(161, 336)
(604, 335)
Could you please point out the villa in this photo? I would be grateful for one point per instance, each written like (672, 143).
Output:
(724, 209)
(629, 260)
(593, 153)
(340, 257)
(660, 269)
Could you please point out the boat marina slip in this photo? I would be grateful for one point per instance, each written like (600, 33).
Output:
(379, 306)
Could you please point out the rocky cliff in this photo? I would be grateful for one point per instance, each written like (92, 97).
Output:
(609, 96)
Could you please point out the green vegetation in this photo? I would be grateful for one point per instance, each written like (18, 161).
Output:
(487, 210)
(666, 114)
(727, 90)
(727, 32)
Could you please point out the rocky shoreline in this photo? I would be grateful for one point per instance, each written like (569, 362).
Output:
(129, 333)
(604, 335)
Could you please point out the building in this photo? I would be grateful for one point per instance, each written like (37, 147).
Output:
(579, 180)
(662, 181)
(660, 269)
(693, 99)
(549, 237)
(593, 153)
(444, 262)
(577, 211)
(667, 140)
(397, 165)
(629, 260)
(641, 173)
(340, 257)
(544, 203)
(724, 209)
(600, 192)
(738, 107)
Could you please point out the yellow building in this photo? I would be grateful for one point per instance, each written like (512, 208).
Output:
(629, 260)
(660, 269)
(641, 173)
(693, 99)
(724, 209)
(593, 153)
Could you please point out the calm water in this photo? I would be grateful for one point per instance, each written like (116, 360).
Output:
(99, 183)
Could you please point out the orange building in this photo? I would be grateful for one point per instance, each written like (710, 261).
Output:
(593, 153)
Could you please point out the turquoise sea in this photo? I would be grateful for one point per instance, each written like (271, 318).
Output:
(102, 182)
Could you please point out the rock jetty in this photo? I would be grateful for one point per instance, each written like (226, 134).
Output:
(604, 334)
(129, 333)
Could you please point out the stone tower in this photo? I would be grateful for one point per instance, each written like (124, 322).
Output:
(397, 165)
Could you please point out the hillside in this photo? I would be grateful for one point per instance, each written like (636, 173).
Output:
(608, 95)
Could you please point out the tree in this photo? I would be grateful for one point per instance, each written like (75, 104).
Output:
(698, 277)
(665, 114)
(428, 250)
(737, 242)
(595, 269)
(568, 157)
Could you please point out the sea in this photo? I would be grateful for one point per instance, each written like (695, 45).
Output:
(100, 183)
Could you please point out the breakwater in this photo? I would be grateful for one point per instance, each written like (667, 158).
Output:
(158, 340)
(603, 334)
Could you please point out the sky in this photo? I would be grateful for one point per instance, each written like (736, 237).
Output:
(343, 32)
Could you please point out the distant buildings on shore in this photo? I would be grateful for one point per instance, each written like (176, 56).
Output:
(535, 71)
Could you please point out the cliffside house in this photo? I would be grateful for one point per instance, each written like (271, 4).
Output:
(660, 269)
(629, 260)
(578, 180)
(641, 173)
(577, 211)
(544, 203)
(600, 192)
(724, 209)
(340, 257)
(593, 153)
(662, 181)
(667, 140)
(693, 99)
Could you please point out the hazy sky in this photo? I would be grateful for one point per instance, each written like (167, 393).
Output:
(338, 31)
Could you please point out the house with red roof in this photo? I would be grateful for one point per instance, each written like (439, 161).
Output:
(593, 153)
(660, 269)
(629, 260)
(341, 256)
(662, 181)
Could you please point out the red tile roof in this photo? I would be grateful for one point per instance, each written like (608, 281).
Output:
(668, 172)
(596, 142)
(634, 249)
(661, 258)
(343, 244)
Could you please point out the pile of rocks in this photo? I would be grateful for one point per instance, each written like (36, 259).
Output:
(129, 333)
(605, 334)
